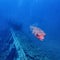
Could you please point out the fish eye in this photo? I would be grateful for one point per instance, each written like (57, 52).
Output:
(37, 35)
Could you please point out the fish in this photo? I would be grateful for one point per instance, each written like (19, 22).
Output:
(38, 32)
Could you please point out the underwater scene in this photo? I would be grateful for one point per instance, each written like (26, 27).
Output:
(29, 29)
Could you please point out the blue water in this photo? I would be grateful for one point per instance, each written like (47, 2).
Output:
(43, 13)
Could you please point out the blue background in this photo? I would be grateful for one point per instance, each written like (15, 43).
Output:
(44, 13)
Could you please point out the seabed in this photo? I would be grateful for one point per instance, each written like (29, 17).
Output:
(19, 46)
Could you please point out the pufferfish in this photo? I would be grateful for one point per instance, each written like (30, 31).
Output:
(38, 33)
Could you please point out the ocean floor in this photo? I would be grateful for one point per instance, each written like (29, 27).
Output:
(16, 45)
